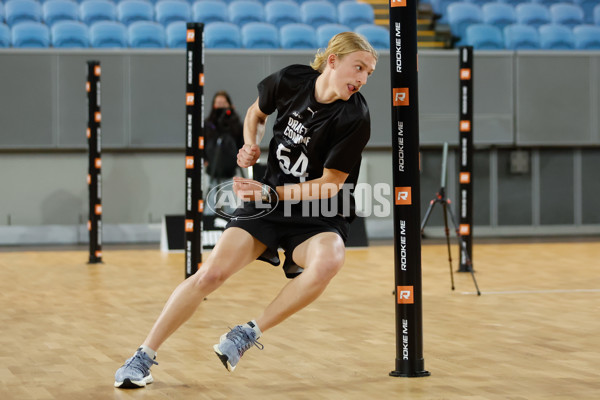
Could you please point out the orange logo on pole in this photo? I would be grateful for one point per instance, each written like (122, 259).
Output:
(465, 74)
(405, 295)
(201, 142)
(88, 133)
(97, 116)
(397, 3)
(98, 209)
(465, 126)
(97, 70)
(98, 163)
(201, 80)
(400, 96)
(403, 195)
(189, 162)
(464, 229)
(87, 86)
(200, 205)
(189, 225)
(98, 254)
(189, 99)
(191, 35)
(465, 177)
(89, 225)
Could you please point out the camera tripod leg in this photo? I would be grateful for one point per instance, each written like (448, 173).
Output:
(447, 231)
(427, 215)
(463, 248)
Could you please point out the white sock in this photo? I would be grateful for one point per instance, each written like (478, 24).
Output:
(252, 324)
(151, 353)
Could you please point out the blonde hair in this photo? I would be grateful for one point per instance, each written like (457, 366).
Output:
(342, 44)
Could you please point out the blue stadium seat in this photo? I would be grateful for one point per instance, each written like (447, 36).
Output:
(169, 11)
(222, 35)
(480, 3)
(60, 10)
(597, 15)
(30, 34)
(260, 35)
(146, 34)
(327, 31)
(521, 37)
(129, 11)
(378, 36)
(587, 37)
(17, 11)
(484, 37)
(460, 16)
(281, 12)
(242, 12)
(318, 12)
(92, 11)
(546, 3)
(354, 14)
(208, 11)
(566, 14)
(4, 35)
(176, 34)
(499, 14)
(440, 7)
(108, 34)
(1, 13)
(535, 15)
(588, 9)
(556, 37)
(67, 33)
(298, 36)
(514, 3)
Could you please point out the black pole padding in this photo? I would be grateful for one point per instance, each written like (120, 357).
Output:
(194, 147)
(94, 177)
(406, 181)
(465, 137)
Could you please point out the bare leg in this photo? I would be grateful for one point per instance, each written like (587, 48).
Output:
(322, 256)
(236, 249)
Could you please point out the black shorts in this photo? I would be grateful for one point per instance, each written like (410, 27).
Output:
(277, 230)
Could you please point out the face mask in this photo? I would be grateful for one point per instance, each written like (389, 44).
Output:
(222, 112)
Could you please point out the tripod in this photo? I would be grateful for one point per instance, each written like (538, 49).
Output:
(443, 200)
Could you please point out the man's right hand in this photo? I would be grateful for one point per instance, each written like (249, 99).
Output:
(248, 155)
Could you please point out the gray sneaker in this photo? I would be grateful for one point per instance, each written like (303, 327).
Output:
(234, 344)
(135, 373)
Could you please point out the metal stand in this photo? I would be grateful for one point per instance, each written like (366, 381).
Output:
(441, 198)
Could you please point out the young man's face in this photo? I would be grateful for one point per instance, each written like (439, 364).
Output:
(351, 72)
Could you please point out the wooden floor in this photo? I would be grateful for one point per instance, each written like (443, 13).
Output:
(66, 326)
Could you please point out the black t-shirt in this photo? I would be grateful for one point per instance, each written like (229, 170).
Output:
(309, 136)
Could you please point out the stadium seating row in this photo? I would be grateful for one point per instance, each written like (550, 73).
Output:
(190, 1)
(526, 37)
(463, 14)
(149, 34)
(440, 6)
(239, 12)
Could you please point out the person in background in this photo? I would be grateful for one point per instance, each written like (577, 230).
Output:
(223, 137)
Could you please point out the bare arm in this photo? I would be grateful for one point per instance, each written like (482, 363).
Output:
(327, 186)
(324, 187)
(254, 130)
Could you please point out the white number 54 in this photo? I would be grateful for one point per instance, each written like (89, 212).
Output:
(298, 169)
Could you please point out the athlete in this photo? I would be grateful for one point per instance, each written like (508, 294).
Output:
(302, 205)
